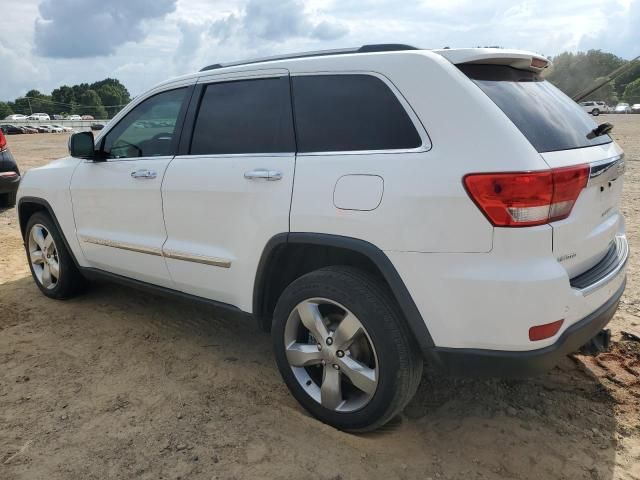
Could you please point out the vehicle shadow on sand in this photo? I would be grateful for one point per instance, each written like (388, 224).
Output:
(559, 425)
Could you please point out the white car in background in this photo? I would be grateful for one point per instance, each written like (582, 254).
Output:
(73, 117)
(52, 128)
(635, 108)
(64, 129)
(594, 108)
(39, 117)
(16, 116)
(306, 191)
(622, 108)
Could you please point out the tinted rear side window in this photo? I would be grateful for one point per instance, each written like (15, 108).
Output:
(349, 112)
(246, 116)
(549, 119)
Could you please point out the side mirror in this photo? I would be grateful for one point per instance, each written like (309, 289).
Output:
(81, 145)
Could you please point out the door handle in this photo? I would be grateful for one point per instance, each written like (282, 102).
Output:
(264, 174)
(147, 174)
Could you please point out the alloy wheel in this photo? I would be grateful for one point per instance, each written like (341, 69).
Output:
(331, 355)
(43, 256)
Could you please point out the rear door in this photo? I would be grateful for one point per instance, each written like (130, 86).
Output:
(562, 133)
(229, 190)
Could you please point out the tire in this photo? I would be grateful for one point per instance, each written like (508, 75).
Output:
(384, 345)
(595, 112)
(69, 280)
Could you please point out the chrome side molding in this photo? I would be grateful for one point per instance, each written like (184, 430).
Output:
(121, 245)
(187, 257)
(173, 254)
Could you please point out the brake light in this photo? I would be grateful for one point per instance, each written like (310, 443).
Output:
(539, 63)
(524, 199)
(3, 141)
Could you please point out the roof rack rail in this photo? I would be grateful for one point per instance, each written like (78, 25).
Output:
(380, 47)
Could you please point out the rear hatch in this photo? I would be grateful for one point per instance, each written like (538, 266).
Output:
(560, 131)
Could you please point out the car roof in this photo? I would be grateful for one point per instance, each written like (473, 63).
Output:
(520, 59)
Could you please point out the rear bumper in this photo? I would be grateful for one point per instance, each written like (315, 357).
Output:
(7, 163)
(479, 362)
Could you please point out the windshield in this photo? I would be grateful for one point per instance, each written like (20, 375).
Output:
(549, 119)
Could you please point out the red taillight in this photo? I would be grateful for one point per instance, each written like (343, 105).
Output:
(3, 141)
(524, 199)
(548, 330)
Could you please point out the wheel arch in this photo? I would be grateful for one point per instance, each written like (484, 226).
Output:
(287, 256)
(27, 206)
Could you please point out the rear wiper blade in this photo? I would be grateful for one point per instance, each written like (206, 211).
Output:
(600, 130)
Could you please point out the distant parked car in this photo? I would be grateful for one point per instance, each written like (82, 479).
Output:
(63, 128)
(42, 129)
(28, 129)
(73, 117)
(622, 108)
(87, 117)
(58, 117)
(97, 126)
(53, 128)
(594, 108)
(9, 175)
(16, 116)
(635, 108)
(39, 116)
(11, 129)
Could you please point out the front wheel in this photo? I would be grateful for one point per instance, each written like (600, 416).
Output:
(51, 264)
(595, 112)
(343, 349)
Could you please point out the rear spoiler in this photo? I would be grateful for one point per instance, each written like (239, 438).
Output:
(519, 59)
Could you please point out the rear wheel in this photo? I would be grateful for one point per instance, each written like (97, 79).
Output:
(51, 264)
(595, 112)
(343, 349)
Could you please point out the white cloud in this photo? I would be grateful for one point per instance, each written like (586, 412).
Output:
(150, 40)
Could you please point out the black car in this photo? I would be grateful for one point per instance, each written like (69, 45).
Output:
(11, 129)
(9, 174)
(97, 126)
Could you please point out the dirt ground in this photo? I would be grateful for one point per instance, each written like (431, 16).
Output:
(122, 384)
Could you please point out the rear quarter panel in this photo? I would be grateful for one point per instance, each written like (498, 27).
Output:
(425, 207)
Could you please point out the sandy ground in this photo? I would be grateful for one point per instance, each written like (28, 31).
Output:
(122, 384)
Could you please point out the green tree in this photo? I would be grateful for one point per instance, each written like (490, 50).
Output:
(632, 92)
(21, 105)
(575, 72)
(40, 102)
(5, 110)
(626, 78)
(64, 98)
(113, 94)
(92, 105)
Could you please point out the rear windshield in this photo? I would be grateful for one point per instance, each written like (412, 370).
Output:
(549, 119)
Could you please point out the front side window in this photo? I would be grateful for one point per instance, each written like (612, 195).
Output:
(336, 113)
(148, 130)
(244, 116)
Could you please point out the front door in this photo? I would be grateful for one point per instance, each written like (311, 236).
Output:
(117, 203)
(231, 190)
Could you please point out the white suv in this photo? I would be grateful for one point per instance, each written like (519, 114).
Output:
(373, 207)
(594, 108)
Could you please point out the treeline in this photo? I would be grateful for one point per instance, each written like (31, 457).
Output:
(575, 72)
(101, 99)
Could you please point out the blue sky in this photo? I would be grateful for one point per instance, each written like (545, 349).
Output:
(46, 43)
